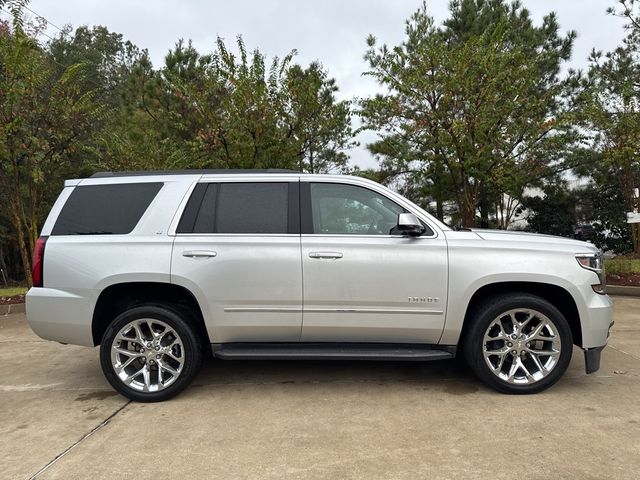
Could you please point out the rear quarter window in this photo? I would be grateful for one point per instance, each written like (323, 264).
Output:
(105, 209)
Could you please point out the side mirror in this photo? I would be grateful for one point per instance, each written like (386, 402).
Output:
(409, 224)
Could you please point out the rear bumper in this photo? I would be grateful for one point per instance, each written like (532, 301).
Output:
(60, 315)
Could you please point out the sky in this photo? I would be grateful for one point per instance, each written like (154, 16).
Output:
(330, 31)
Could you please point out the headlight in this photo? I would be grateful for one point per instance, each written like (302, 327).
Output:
(595, 263)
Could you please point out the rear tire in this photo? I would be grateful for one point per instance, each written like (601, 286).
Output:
(150, 353)
(518, 343)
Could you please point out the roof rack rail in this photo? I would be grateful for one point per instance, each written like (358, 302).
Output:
(230, 171)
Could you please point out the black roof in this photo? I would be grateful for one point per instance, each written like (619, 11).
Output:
(230, 171)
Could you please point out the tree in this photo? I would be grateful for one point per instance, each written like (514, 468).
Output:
(44, 116)
(477, 104)
(554, 213)
(107, 57)
(223, 110)
(318, 121)
(612, 233)
(612, 116)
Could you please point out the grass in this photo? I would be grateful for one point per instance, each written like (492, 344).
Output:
(12, 291)
(618, 265)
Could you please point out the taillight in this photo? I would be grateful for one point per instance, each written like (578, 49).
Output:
(37, 267)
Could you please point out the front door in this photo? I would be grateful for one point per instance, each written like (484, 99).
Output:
(363, 280)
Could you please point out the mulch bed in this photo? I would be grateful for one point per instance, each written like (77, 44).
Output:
(12, 300)
(625, 279)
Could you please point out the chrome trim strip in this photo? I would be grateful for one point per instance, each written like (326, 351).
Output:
(331, 310)
(264, 309)
(372, 310)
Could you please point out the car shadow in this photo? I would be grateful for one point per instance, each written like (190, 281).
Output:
(251, 372)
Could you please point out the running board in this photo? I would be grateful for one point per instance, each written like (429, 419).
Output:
(332, 351)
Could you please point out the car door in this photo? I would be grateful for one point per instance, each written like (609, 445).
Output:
(237, 247)
(362, 280)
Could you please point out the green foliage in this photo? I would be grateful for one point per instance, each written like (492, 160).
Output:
(45, 116)
(610, 223)
(475, 106)
(554, 213)
(108, 59)
(224, 110)
(618, 265)
(12, 291)
(612, 116)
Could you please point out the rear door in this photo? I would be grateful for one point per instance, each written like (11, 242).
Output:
(237, 247)
(363, 280)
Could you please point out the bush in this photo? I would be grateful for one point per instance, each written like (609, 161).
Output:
(619, 265)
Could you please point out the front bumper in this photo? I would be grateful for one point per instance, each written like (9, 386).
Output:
(596, 321)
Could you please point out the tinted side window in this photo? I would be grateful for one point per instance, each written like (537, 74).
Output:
(105, 209)
(250, 207)
(339, 209)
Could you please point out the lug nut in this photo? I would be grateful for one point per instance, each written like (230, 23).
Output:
(510, 344)
(514, 336)
(528, 345)
(514, 352)
(158, 356)
(151, 362)
(142, 350)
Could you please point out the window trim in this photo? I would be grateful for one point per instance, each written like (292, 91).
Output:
(306, 213)
(293, 208)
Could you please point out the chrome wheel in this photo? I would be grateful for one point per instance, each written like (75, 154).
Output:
(147, 355)
(521, 346)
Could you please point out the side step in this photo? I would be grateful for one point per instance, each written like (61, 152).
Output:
(332, 351)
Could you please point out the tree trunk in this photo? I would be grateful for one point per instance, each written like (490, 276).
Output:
(630, 205)
(467, 206)
(635, 227)
(26, 260)
(25, 251)
(467, 213)
(484, 210)
(3, 265)
(439, 210)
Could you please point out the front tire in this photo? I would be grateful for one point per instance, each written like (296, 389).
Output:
(150, 353)
(518, 343)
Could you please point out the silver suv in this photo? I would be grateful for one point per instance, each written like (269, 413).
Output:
(161, 268)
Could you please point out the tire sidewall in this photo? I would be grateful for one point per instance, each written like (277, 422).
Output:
(190, 342)
(487, 312)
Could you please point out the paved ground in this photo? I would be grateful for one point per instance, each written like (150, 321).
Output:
(270, 420)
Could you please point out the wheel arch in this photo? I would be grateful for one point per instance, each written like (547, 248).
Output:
(554, 294)
(119, 297)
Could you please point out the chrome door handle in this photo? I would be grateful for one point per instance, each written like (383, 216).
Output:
(199, 254)
(325, 255)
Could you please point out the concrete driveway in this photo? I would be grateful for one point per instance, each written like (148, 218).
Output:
(60, 419)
